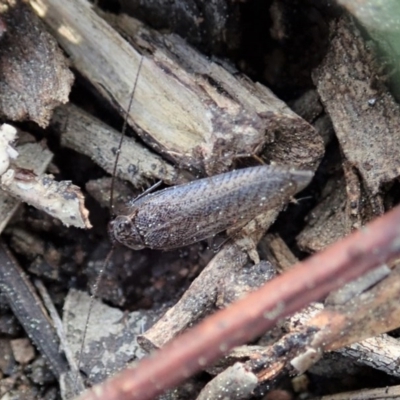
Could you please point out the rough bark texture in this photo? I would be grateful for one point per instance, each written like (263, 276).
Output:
(34, 75)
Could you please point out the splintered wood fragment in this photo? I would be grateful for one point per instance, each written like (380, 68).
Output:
(325, 329)
(370, 314)
(57, 323)
(316, 330)
(33, 157)
(380, 352)
(28, 308)
(88, 135)
(185, 106)
(34, 72)
(208, 288)
(283, 128)
(363, 112)
(235, 383)
(61, 200)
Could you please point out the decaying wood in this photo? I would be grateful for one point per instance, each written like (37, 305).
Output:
(88, 135)
(33, 157)
(365, 118)
(116, 338)
(186, 107)
(363, 112)
(370, 314)
(8, 134)
(73, 371)
(296, 348)
(340, 328)
(28, 308)
(62, 200)
(347, 259)
(24, 181)
(34, 74)
(289, 139)
(212, 285)
(381, 352)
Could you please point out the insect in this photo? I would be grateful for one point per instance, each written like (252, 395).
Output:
(185, 214)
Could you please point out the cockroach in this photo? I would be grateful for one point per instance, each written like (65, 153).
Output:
(185, 214)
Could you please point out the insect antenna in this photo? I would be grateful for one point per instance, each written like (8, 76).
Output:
(110, 253)
(121, 140)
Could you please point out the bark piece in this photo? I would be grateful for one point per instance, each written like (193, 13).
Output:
(88, 135)
(33, 157)
(289, 139)
(28, 308)
(298, 347)
(185, 106)
(34, 74)
(372, 313)
(73, 366)
(236, 285)
(317, 329)
(108, 329)
(25, 182)
(380, 352)
(364, 114)
(61, 200)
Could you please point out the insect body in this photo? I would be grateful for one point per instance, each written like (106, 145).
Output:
(185, 214)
